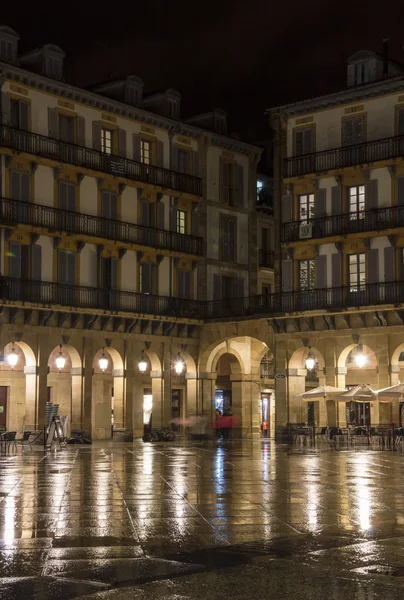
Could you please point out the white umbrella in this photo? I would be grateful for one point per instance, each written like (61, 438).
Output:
(360, 393)
(323, 391)
(395, 391)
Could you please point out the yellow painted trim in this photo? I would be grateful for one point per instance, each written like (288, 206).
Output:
(19, 89)
(350, 110)
(18, 164)
(304, 120)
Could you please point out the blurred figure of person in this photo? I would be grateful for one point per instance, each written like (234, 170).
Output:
(265, 429)
(218, 418)
(199, 430)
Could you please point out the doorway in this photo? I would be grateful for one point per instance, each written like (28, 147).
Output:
(176, 409)
(358, 413)
(265, 414)
(3, 406)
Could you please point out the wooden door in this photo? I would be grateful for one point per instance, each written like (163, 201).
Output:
(3, 406)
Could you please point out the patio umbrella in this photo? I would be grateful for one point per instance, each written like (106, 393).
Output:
(395, 391)
(360, 393)
(323, 391)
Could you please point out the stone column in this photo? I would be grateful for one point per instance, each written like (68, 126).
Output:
(118, 398)
(87, 389)
(101, 407)
(30, 396)
(158, 399)
(192, 408)
(42, 383)
(207, 389)
(77, 386)
(137, 408)
(296, 386)
(129, 387)
(340, 373)
(245, 405)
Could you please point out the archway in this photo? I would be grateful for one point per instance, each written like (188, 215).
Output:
(17, 388)
(305, 372)
(107, 393)
(64, 384)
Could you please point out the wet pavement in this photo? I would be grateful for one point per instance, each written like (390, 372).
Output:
(196, 521)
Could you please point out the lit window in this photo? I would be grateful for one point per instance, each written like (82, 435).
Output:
(357, 272)
(145, 152)
(260, 185)
(106, 141)
(357, 202)
(307, 274)
(306, 208)
(181, 221)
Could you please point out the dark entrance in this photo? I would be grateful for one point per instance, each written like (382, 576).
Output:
(3, 406)
(310, 414)
(358, 413)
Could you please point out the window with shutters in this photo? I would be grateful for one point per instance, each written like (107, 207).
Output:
(228, 183)
(146, 277)
(106, 140)
(145, 152)
(400, 121)
(109, 273)
(306, 208)
(228, 287)
(6, 51)
(228, 237)
(265, 238)
(54, 67)
(356, 196)
(304, 141)
(357, 272)
(362, 73)
(19, 114)
(66, 128)
(66, 267)
(353, 129)
(184, 161)
(109, 205)
(20, 185)
(172, 107)
(184, 283)
(307, 274)
(181, 221)
(266, 289)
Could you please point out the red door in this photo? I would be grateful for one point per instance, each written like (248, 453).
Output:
(3, 406)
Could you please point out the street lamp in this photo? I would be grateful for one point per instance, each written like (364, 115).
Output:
(142, 364)
(12, 358)
(103, 362)
(179, 365)
(310, 361)
(60, 359)
(360, 358)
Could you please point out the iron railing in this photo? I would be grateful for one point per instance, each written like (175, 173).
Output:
(15, 212)
(46, 147)
(388, 217)
(266, 258)
(79, 296)
(347, 156)
(76, 296)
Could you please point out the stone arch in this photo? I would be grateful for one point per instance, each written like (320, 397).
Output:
(20, 410)
(297, 360)
(250, 361)
(155, 362)
(342, 359)
(396, 354)
(30, 360)
(189, 361)
(113, 354)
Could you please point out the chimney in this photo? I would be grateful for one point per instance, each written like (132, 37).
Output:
(385, 57)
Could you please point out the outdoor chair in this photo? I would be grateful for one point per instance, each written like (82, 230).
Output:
(322, 434)
(24, 441)
(7, 440)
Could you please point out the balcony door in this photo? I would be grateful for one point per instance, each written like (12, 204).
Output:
(67, 277)
(20, 186)
(109, 282)
(109, 213)
(67, 206)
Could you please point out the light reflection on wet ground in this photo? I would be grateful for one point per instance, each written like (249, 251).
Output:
(126, 520)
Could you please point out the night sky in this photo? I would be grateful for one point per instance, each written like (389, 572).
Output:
(243, 56)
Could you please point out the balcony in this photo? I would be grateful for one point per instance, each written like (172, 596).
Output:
(266, 258)
(356, 222)
(349, 156)
(14, 212)
(39, 145)
(331, 299)
(78, 296)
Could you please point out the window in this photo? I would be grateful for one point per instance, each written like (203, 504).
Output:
(400, 121)
(228, 183)
(357, 272)
(19, 114)
(266, 289)
(66, 128)
(109, 273)
(228, 239)
(184, 284)
(265, 238)
(172, 108)
(6, 51)
(145, 152)
(54, 67)
(307, 275)
(260, 185)
(66, 267)
(20, 185)
(106, 141)
(362, 74)
(183, 161)
(145, 279)
(304, 141)
(306, 208)
(353, 131)
(181, 221)
(356, 196)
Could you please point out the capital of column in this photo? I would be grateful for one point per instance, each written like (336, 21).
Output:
(31, 370)
(156, 374)
(77, 371)
(191, 376)
(341, 370)
(296, 372)
(118, 372)
(394, 368)
(207, 375)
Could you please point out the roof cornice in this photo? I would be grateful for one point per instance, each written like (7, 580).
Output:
(347, 96)
(99, 102)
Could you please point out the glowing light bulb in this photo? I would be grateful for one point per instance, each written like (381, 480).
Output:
(179, 366)
(360, 360)
(60, 360)
(103, 362)
(12, 358)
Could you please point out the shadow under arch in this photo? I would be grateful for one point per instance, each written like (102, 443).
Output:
(29, 355)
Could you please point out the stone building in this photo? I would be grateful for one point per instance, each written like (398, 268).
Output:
(125, 234)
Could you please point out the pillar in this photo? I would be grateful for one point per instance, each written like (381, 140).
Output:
(129, 388)
(191, 405)
(340, 373)
(87, 389)
(297, 385)
(30, 395)
(158, 399)
(77, 385)
(118, 398)
(281, 393)
(207, 390)
(137, 407)
(42, 384)
(101, 407)
(245, 401)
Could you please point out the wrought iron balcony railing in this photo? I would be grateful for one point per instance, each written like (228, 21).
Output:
(79, 296)
(266, 258)
(356, 222)
(39, 145)
(347, 156)
(15, 212)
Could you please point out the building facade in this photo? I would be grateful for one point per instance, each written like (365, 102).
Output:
(339, 197)
(124, 231)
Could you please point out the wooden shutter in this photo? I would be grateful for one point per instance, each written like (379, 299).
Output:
(62, 266)
(53, 123)
(225, 182)
(400, 191)
(114, 274)
(5, 109)
(351, 75)
(180, 283)
(225, 241)
(24, 121)
(96, 135)
(240, 186)
(287, 275)
(109, 205)
(390, 263)
(15, 260)
(217, 287)
(146, 275)
(320, 206)
(336, 206)
(400, 121)
(298, 143)
(136, 147)
(232, 237)
(80, 131)
(321, 272)
(287, 208)
(25, 186)
(174, 157)
(336, 263)
(307, 141)
(240, 287)
(371, 202)
(187, 284)
(122, 142)
(160, 153)
(173, 219)
(372, 266)
(195, 163)
(15, 185)
(195, 222)
(67, 196)
(160, 216)
(348, 132)
(358, 130)
(36, 262)
(145, 213)
(71, 268)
